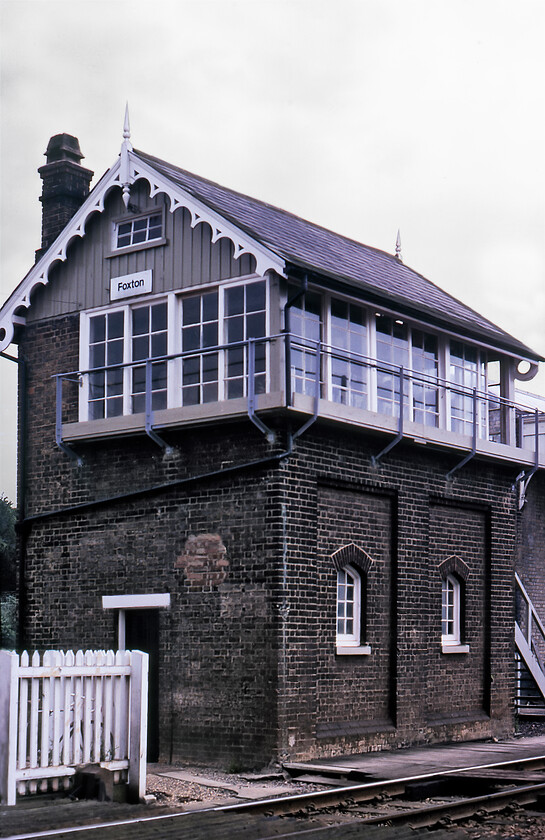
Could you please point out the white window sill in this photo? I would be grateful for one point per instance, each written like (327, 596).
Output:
(359, 650)
(453, 648)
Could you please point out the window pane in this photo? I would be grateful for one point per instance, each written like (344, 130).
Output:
(159, 317)
(210, 335)
(191, 371)
(234, 300)
(115, 325)
(159, 344)
(210, 306)
(255, 297)
(235, 330)
(96, 386)
(97, 329)
(115, 382)
(140, 347)
(140, 320)
(191, 338)
(97, 356)
(255, 325)
(115, 352)
(191, 310)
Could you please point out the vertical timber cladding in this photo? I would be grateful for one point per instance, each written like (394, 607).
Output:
(355, 694)
(458, 685)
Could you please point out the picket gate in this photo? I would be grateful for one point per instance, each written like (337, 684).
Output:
(66, 710)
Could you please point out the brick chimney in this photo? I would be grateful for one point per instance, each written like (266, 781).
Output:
(65, 186)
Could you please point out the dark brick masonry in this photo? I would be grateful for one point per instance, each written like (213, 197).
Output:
(248, 668)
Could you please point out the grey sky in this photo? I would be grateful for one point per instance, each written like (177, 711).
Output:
(364, 116)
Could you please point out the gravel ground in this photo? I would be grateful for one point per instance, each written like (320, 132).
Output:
(516, 823)
(185, 793)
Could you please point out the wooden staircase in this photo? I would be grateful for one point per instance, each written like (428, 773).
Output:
(530, 650)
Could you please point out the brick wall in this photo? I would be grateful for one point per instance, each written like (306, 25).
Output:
(248, 664)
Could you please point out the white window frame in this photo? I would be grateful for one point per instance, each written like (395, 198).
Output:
(174, 339)
(349, 644)
(137, 246)
(451, 642)
(482, 389)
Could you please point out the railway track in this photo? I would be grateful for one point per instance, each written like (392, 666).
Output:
(379, 810)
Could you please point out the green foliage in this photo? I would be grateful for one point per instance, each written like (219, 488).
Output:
(8, 543)
(8, 620)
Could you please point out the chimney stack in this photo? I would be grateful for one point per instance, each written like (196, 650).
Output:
(65, 186)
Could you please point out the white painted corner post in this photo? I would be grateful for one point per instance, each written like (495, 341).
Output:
(9, 700)
(138, 736)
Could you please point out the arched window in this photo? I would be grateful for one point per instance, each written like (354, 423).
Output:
(348, 607)
(451, 604)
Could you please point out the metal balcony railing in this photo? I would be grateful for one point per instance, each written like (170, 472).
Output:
(251, 368)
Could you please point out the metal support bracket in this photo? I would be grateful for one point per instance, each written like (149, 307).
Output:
(150, 431)
(523, 479)
(64, 447)
(252, 399)
(376, 458)
(314, 417)
(471, 454)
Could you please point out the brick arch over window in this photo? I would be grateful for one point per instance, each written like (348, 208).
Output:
(454, 565)
(352, 555)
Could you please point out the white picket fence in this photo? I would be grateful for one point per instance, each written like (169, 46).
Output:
(70, 710)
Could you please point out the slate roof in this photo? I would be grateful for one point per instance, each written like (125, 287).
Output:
(379, 276)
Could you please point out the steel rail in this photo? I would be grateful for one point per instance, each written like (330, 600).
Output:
(349, 794)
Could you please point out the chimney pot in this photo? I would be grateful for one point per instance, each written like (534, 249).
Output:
(63, 147)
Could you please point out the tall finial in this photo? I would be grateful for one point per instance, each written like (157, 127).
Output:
(126, 147)
(127, 127)
(398, 247)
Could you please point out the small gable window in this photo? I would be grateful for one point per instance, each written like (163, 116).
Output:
(138, 231)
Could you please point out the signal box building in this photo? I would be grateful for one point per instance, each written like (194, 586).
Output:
(279, 460)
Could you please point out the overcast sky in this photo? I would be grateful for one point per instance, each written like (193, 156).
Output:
(364, 116)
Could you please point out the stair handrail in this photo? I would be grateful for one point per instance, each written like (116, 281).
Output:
(531, 618)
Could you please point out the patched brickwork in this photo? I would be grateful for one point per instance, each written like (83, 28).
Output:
(203, 561)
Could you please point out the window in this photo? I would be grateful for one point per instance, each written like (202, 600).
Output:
(135, 339)
(452, 615)
(350, 611)
(306, 327)
(244, 318)
(348, 338)
(222, 374)
(348, 607)
(399, 345)
(200, 329)
(467, 372)
(149, 341)
(450, 627)
(138, 231)
(106, 347)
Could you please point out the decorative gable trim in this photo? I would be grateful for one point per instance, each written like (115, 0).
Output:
(133, 169)
(351, 555)
(200, 212)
